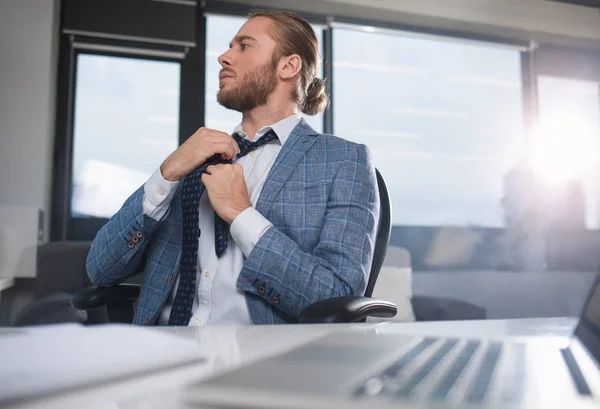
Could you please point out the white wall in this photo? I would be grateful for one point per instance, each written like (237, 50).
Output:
(28, 65)
(514, 19)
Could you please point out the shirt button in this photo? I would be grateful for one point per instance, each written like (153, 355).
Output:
(198, 321)
(161, 191)
(207, 274)
(252, 154)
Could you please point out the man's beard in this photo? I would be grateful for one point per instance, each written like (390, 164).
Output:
(253, 89)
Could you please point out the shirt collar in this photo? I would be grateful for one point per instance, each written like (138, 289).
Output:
(283, 128)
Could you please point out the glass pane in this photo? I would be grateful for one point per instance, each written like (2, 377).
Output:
(443, 120)
(566, 151)
(566, 165)
(126, 124)
(220, 30)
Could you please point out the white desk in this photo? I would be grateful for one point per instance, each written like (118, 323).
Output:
(231, 346)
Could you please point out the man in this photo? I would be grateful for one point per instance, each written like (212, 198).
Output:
(255, 227)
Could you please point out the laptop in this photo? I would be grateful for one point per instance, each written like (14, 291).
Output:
(374, 370)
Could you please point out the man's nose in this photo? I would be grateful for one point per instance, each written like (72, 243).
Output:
(224, 59)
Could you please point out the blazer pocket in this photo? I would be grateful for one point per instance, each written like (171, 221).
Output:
(297, 191)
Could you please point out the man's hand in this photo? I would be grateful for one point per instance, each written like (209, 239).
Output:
(227, 190)
(203, 144)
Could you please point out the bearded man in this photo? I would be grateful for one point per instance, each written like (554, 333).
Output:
(254, 227)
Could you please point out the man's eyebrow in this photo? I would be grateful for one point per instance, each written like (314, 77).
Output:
(239, 39)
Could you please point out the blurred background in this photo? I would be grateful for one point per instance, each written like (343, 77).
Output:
(483, 117)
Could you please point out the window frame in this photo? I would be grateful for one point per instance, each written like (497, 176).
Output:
(82, 228)
(63, 226)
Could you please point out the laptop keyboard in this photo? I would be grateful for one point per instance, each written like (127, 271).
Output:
(454, 372)
(484, 374)
(400, 364)
(514, 384)
(425, 370)
(436, 367)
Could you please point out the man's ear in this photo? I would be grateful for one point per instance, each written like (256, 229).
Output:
(290, 66)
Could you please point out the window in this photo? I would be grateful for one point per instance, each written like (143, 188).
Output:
(220, 31)
(126, 122)
(442, 118)
(566, 151)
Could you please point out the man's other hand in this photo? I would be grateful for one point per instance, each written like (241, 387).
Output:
(194, 152)
(227, 190)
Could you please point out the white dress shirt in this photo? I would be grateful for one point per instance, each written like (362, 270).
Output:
(217, 299)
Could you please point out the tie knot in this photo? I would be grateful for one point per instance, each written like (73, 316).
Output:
(247, 146)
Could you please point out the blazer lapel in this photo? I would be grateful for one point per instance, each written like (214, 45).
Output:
(293, 151)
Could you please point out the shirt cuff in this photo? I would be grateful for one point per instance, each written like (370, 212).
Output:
(158, 194)
(247, 229)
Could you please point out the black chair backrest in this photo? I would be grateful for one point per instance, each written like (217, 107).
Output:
(384, 229)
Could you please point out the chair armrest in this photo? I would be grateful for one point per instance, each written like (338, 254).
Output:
(93, 297)
(346, 309)
(51, 309)
(429, 308)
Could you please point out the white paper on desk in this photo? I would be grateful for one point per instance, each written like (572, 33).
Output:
(42, 360)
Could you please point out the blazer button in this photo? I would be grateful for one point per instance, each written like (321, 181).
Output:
(135, 239)
(275, 299)
(138, 234)
(171, 277)
(131, 244)
(146, 321)
(261, 289)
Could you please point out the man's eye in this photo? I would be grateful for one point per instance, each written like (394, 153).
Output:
(245, 46)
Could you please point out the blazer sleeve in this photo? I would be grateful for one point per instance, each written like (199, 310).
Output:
(278, 271)
(117, 250)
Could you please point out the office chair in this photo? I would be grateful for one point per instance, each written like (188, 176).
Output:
(119, 299)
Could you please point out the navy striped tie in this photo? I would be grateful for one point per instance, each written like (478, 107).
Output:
(181, 311)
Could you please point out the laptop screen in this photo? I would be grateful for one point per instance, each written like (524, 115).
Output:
(588, 330)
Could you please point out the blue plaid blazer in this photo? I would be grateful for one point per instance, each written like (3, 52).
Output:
(321, 196)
